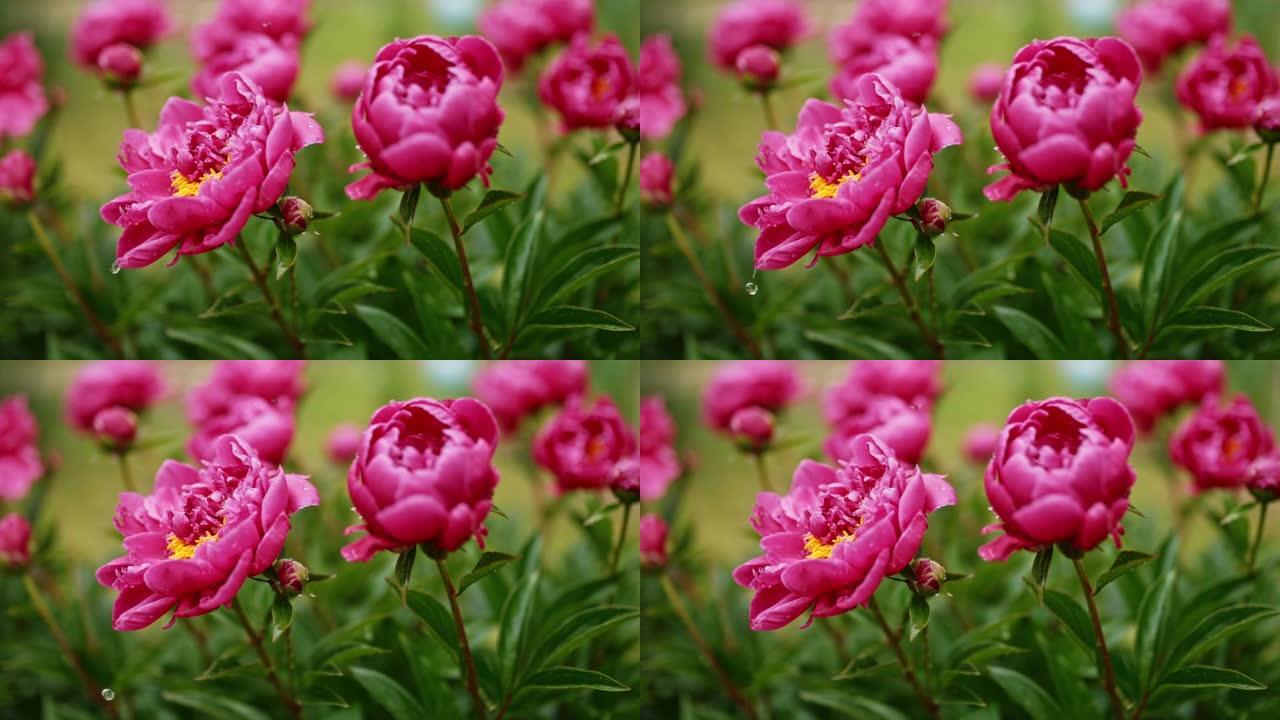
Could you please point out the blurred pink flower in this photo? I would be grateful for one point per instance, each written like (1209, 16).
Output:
(116, 428)
(758, 67)
(1264, 477)
(22, 98)
(17, 178)
(276, 381)
(770, 384)
(656, 175)
(911, 65)
(522, 28)
(1224, 84)
(780, 24)
(586, 84)
(1219, 444)
(191, 544)
(103, 23)
(343, 444)
(348, 80)
(915, 382)
(20, 464)
(1158, 29)
(132, 384)
(659, 464)
(909, 18)
(653, 541)
(15, 541)
(1267, 121)
(120, 64)
(985, 82)
(661, 100)
(516, 389)
(980, 443)
(280, 20)
(752, 427)
(582, 446)
(271, 65)
(1151, 389)
(902, 427)
(267, 428)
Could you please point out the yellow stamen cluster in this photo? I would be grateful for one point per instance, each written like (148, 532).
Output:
(815, 549)
(180, 549)
(184, 187)
(820, 187)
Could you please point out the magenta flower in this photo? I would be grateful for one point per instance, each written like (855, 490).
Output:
(587, 84)
(653, 541)
(902, 427)
(1224, 85)
(985, 82)
(910, 65)
(582, 446)
(517, 389)
(254, 399)
(423, 475)
(348, 80)
(837, 533)
(752, 428)
(272, 66)
(116, 428)
(280, 20)
(428, 113)
(980, 443)
(780, 24)
(195, 181)
(22, 98)
(915, 382)
(522, 28)
(908, 18)
(661, 100)
(1060, 474)
(835, 181)
(120, 64)
(659, 464)
(15, 541)
(17, 178)
(1067, 114)
(1151, 389)
(656, 175)
(343, 443)
(20, 464)
(259, 39)
(1158, 29)
(191, 544)
(1218, 445)
(770, 384)
(1264, 477)
(1267, 121)
(279, 382)
(132, 384)
(103, 23)
(758, 67)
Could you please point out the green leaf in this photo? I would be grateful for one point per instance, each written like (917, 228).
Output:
(220, 345)
(1048, 204)
(569, 678)
(216, 705)
(582, 268)
(1157, 263)
(1125, 562)
(281, 616)
(437, 618)
(601, 513)
(286, 254)
(919, 613)
(1030, 332)
(514, 628)
(1200, 676)
(850, 705)
(1132, 202)
(409, 206)
(580, 628)
(572, 316)
(1026, 693)
(488, 563)
(1206, 317)
(388, 693)
(1074, 617)
(493, 201)
(1151, 616)
(923, 255)
(518, 267)
(441, 256)
(404, 571)
(1079, 257)
(1040, 570)
(1220, 270)
(392, 331)
(1217, 627)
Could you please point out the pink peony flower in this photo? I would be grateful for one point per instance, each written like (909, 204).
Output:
(20, 464)
(17, 178)
(752, 427)
(1060, 474)
(908, 18)
(1218, 445)
(423, 475)
(116, 428)
(348, 80)
(280, 20)
(279, 382)
(659, 464)
(272, 66)
(1151, 389)
(22, 98)
(15, 541)
(581, 446)
(915, 382)
(195, 181)
(661, 100)
(770, 384)
(258, 38)
(1158, 29)
(656, 175)
(132, 384)
(834, 182)
(200, 534)
(343, 443)
(837, 533)
(1066, 115)
(758, 67)
(586, 85)
(103, 23)
(120, 64)
(985, 82)
(1224, 85)
(910, 65)
(522, 28)
(516, 389)
(780, 24)
(267, 428)
(1267, 121)
(1264, 477)
(903, 428)
(980, 443)
(653, 541)
(429, 114)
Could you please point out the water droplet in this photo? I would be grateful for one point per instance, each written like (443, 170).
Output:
(108, 694)
(752, 288)
(115, 268)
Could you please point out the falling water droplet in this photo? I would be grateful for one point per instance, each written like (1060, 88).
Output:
(115, 268)
(752, 288)
(108, 694)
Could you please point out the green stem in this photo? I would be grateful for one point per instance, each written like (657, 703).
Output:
(622, 537)
(894, 641)
(762, 471)
(770, 117)
(1112, 308)
(626, 178)
(900, 282)
(1108, 672)
(473, 686)
(709, 288)
(130, 109)
(255, 639)
(1266, 178)
(731, 689)
(260, 279)
(73, 290)
(126, 476)
(68, 652)
(1257, 538)
(473, 300)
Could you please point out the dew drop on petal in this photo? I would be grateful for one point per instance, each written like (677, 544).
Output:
(115, 268)
(752, 288)
(108, 694)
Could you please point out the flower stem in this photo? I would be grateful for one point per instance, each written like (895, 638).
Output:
(707, 287)
(1108, 672)
(626, 177)
(255, 639)
(72, 289)
(130, 109)
(1257, 538)
(622, 537)
(473, 300)
(837, 639)
(126, 476)
(473, 686)
(895, 643)
(762, 471)
(68, 652)
(1113, 307)
(260, 279)
(900, 282)
(1266, 178)
(726, 682)
(770, 117)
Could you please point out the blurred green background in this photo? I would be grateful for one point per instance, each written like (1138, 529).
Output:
(715, 498)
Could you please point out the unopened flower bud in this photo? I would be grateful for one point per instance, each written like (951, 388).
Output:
(628, 119)
(116, 427)
(293, 576)
(752, 427)
(121, 64)
(15, 541)
(656, 175)
(1267, 124)
(758, 67)
(653, 541)
(17, 179)
(929, 576)
(625, 481)
(343, 444)
(934, 215)
(297, 214)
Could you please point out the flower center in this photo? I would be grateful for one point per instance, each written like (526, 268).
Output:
(600, 87)
(820, 187)
(1239, 88)
(185, 187)
(180, 549)
(596, 448)
(815, 549)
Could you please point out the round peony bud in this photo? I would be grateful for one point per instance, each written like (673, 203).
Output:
(934, 216)
(116, 427)
(980, 443)
(348, 80)
(343, 444)
(928, 576)
(15, 541)
(293, 576)
(17, 179)
(297, 214)
(1267, 121)
(653, 541)
(1218, 445)
(985, 82)
(1264, 478)
(752, 428)
(1224, 85)
(758, 67)
(1060, 475)
(627, 121)
(625, 481)
(656, 175)
(120, 64)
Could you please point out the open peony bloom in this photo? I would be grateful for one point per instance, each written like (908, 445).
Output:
(20, 464)
(522, 28)
(1158, 29)
(258, 38)
(1224, 85)
(837, 533)
(1218, 445)
(103, 23)
(779, 24)
(587, 84)
(911, 65)
(429, 114)
(17, 178)
(656, 175)
(836, 181)
(273, 67)
(653, 541)
(769, 384)
(659, 464)
(1067, 115)
(423, 475)
(195, 181)
(903, 428)
(516, 389)
(15, 541)
(254, 399)
(1151, 389)
(22, 98)
(1060, 474)
(915, 382)
(200, 534)
(276, 381)
(661, 100)
(908, 18)
(582, 446)
(132, 384)
(280, 20)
